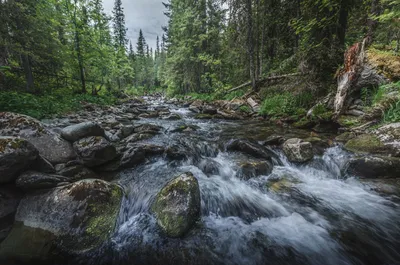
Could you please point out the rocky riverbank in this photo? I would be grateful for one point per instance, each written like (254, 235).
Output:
(59, 178)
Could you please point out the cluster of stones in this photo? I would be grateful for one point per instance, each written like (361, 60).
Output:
(51, 197)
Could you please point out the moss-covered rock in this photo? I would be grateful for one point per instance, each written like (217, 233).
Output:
(49, 144)
(345, 137)
(177, 205)
(16, 155)
(73, 219)
(367, 143)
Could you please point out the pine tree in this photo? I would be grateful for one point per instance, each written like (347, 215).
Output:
(119, 25)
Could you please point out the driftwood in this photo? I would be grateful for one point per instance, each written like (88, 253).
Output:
(262, 80)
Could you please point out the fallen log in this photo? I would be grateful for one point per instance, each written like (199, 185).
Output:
(262, 80)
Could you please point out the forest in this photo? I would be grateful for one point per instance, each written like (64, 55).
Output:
(58, 49)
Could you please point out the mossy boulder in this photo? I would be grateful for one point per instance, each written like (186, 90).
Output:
(74, 219)
(367, 143)
(298, 151)
(345, 137)
(95, 151)
(16, 155)
(49, 144)
(177, 206)
(78, 131)
(305, 123)
(374, 167)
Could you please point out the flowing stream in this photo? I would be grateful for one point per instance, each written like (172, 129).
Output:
(308, 214)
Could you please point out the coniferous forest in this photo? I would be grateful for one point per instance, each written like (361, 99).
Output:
(241, 132)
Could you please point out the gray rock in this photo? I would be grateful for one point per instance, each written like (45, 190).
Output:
(298, 151)
(250, 148)
(73, 219)
(177, 205)
(76, 132)
(374, 167)
(196, 106)
(10, 197)
(172, 117)
(16, 155)
(95, 151)
(49, 144)
(31, 180)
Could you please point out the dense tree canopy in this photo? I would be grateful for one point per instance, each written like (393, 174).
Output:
(208, 46)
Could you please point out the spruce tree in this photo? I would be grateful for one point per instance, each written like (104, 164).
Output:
(120, 30)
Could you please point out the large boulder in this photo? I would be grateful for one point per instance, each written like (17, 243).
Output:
(95, 151)
(134, 155)
(368, 144)
(76, 132)
(32, 180)
(374, 167)
(10, 197)
(16, 155)
(49, 144)
(177, 205)
(389, 135)
(73, 219)
(250, 148)
(298, 151)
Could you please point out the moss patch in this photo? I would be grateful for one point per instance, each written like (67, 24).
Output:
(366, 143)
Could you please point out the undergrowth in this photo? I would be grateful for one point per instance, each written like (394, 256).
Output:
(48, 105)
(286, 104)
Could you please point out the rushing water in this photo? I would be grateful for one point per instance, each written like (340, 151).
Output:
(313, 215)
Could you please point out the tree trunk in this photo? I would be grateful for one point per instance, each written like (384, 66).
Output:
(79, 53)
(250, 43)
(26, 63)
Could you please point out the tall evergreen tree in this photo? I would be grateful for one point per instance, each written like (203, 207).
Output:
(119, 25)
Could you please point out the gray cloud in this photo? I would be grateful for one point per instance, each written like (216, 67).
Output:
(147, 15)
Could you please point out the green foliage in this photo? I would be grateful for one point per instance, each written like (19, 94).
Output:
(245, 109)
(393, 114)
(48, 105)
(286, 104)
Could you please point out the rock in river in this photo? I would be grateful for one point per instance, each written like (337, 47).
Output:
(177, 206)
(253, 149)
(16, 155)
(78, 131)
(374, 167)
(298, 151)
(74, 219)
(95, 151)
(49, 144)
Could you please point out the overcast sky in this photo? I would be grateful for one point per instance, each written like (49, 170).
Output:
(142, 14)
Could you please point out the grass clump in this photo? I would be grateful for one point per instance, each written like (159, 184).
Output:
(44, 106)
(286, 104)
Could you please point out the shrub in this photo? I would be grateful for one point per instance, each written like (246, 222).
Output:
(286, 104)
